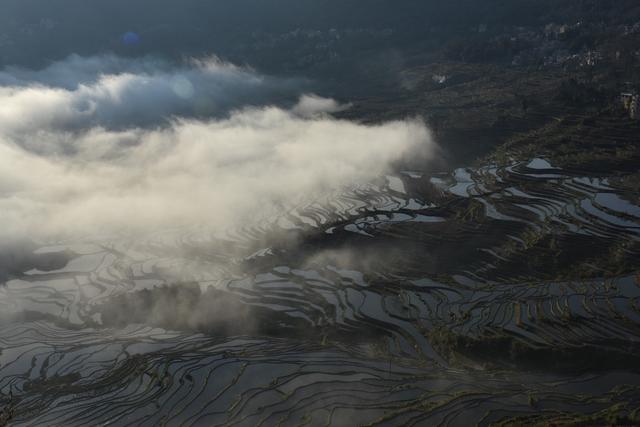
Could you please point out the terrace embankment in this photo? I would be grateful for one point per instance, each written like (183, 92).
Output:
(490, 293)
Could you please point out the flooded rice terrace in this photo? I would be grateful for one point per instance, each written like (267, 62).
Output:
(413, 300)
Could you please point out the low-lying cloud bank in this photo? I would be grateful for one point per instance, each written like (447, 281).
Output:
(117, 93)
(147, 147)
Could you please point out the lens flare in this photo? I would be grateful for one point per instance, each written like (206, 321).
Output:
(131, 39)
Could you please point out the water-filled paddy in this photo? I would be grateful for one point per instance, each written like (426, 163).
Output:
(486, 295)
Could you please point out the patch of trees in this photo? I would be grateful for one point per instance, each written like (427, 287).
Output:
(575, 93)
(475, 49)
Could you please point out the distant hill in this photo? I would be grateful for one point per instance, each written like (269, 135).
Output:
(33, 32)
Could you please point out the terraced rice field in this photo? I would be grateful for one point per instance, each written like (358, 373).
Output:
(498, 295)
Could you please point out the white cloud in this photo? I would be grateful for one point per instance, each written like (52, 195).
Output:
(116, 93)
(130, 152)
(312, 105)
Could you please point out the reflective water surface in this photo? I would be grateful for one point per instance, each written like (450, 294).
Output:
(488, 295)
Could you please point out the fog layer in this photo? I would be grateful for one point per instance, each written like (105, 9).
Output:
(147, 147)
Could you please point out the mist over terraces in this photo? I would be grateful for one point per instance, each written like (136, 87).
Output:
(311, 212)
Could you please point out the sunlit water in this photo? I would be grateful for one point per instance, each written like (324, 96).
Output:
(338, 322)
